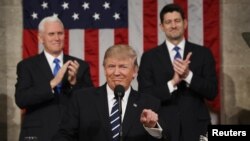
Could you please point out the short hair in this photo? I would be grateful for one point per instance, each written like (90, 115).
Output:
(48, 19)
(171, 8)
(121, 51)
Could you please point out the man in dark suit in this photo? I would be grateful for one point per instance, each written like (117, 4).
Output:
(182, 75)
(42, 95)
(89, 114)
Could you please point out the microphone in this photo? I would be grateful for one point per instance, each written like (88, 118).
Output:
(119, 93)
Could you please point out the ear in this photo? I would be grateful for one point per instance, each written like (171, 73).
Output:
(161, 26)
(40, 39)
(185, 24)
(135, 72)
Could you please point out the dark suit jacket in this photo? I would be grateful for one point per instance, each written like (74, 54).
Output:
(34, 94)
(184, 111)
(88, 117)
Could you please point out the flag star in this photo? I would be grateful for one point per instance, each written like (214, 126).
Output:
(75, 16)
(96, 16)
(116, 16)
(106, 5)
(44, 5)
(65, 5)
(55, 15)
(34, 15)
(85, 5)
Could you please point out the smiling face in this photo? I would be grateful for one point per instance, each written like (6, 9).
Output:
(52, 37)
(173, 25)
(120, 66)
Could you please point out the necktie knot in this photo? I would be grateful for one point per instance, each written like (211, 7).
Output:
(56, 61)
(177, 55)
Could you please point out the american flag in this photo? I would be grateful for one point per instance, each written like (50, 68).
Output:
(91, 26)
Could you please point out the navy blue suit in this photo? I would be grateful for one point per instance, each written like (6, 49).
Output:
(87, 118)
(43, 108)
(184, 111)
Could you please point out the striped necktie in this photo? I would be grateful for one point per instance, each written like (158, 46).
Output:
(115, 121)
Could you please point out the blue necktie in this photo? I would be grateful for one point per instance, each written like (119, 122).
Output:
(55, 71)
(115, 121)
(177, 55)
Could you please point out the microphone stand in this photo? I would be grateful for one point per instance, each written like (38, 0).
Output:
(120, 110)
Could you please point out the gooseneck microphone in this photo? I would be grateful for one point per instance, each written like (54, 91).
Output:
(119, 93)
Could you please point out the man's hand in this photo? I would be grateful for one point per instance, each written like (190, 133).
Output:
(59, 76)
(72, 72)
(149, 118)
(181, 67)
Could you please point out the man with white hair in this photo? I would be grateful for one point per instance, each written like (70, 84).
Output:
(45, 83)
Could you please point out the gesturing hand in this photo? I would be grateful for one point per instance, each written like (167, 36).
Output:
(149, 118)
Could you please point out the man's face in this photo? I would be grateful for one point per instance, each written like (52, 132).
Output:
(119, 71)
(52, 38)
(174, 26)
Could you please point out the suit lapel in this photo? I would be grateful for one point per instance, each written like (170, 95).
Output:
(165, 58)
(132, 112)
(44, 66)
(102, 107)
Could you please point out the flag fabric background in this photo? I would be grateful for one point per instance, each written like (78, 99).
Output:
(91, 26)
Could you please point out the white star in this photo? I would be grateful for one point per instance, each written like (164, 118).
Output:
(44, 5)
(65, 5)
(116, 16)
(106, 5)
(55, 15)
(75, 16)
(85, 5)
(34, 15)
(96, 16)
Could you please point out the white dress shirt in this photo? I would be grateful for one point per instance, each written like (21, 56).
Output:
(155, 132)
(172, 53)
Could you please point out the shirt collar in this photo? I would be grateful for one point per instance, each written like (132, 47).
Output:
(111, 94)
(51, 58)
(171, 46)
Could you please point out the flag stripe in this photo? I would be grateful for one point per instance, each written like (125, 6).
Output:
(212, 39)
(91, 53)
(195, 21)
(106, 37)
(150, 24)
(66, 41)
(30, 43)
(76, 40)
(121, 36)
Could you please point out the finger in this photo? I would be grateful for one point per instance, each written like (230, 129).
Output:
(188, 57)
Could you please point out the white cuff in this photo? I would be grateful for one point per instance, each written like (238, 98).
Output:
(155, 132)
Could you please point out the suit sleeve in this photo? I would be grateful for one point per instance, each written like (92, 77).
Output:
(84, 78)
(204, 82)
(29, 91)
(146, 82)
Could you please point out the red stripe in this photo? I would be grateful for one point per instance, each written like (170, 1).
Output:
(121, 36)
(184, 5)
(91, 42)
(150, 32)
(30, 43)
(212, 38)
(66, 42)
